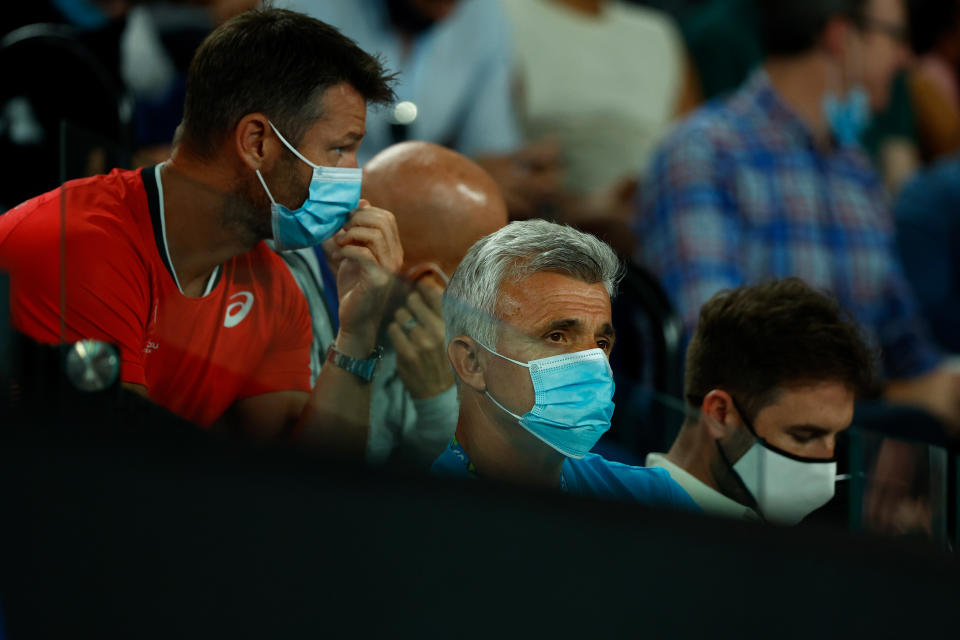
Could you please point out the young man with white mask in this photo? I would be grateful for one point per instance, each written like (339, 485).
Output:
(773, 371)
(771, 183)
(529, 331)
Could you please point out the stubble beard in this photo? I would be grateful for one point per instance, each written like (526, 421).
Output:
(247, 212)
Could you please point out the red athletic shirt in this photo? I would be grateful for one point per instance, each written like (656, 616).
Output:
(250, 334)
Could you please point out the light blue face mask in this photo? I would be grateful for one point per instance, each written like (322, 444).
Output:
(334, 193)
(574, 400)
(848, 117)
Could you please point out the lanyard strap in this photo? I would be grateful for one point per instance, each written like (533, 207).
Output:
(472, 468)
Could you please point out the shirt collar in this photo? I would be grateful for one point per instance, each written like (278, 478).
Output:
(759, 95)
(707, 498)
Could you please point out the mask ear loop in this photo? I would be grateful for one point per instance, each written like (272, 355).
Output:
(265, 187)
(289, 146)
(692, 412)
(487, 393)
(516, 362)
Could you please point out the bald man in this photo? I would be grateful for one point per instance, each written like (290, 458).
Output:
(443, 203)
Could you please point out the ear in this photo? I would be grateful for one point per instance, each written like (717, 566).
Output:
(835, 36)
(463, 353)
(721, 417)
(254, 140)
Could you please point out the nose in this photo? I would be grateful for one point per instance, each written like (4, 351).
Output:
(827, 447)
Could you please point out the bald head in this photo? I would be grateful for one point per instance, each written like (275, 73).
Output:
(443, 201)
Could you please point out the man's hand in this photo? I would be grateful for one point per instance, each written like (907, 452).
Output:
(937, 392)
(890, 506)
(368, 252)
(417, 335)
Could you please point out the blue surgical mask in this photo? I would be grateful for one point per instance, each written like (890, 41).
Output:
(849, 116)
(573, 400)
(334, 193)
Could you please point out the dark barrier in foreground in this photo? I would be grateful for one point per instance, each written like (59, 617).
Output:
(135, 531)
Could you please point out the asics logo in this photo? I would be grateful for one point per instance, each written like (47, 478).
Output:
(238, 310)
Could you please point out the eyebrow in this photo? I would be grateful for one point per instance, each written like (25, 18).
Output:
(353, 136)
(809, 428)
(573, 323)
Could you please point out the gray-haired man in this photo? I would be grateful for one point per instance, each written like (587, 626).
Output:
(528, 324)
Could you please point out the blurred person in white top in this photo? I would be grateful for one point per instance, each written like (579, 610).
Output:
(604, 80)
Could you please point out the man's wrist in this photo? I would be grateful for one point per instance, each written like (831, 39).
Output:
(355, 346)
(362, 368)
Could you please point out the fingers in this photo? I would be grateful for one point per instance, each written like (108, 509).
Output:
(406, 352)
(375, 218)
(370, 238)
(418, 334)
(359, 253)
(425, 315)
(377, 230)
(433, 296)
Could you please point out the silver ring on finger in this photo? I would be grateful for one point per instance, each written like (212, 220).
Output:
(409, 324)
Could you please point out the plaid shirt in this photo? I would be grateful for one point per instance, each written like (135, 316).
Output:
(739, 194)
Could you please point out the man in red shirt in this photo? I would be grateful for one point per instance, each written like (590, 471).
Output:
(169, 264)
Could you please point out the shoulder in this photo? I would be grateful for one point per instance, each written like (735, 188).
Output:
(449, 464)
(630, 473)
(105, 217)
(714, 128)
(650, 486)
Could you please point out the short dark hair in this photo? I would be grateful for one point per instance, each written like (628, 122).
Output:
(792, 27)
(276, 62)
(752, 341)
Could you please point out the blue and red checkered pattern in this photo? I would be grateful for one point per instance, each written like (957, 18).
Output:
(740, 193)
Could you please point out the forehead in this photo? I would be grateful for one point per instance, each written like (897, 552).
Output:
(545, 296)
(828, 405)
(342, 110)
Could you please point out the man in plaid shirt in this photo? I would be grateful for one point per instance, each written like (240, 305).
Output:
(771, 183)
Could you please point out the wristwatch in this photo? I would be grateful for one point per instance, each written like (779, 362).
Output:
(363, 369)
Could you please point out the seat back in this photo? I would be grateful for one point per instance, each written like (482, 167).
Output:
(62, 114)
(647, 360)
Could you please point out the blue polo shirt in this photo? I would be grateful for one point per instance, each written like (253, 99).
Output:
(593, 477)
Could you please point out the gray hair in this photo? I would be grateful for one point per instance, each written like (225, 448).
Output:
(513, 253)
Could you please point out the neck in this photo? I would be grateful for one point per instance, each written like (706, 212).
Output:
(801, 83)
(696, 452)
(589, 7)
(502, 449)
(197, 197)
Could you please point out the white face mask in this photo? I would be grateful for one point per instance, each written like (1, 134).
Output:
(787, 488)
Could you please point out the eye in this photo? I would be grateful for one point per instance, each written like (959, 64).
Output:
(604, 344)
(803, 437)
(556, 336)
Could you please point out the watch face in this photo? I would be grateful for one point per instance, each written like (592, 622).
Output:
(363, 369)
